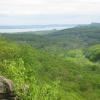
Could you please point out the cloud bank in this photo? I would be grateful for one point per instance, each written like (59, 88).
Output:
(49, 11)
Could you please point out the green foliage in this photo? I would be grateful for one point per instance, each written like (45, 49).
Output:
(63, 68)
(93, 53)
(73, 38)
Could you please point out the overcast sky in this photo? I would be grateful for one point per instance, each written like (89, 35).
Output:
(22, 12)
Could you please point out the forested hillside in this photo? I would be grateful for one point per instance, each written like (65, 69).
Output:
(39, 73)
(78, 37)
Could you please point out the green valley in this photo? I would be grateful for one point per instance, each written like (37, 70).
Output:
(60, 65)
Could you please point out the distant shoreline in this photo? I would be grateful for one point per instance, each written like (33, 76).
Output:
(14, 29)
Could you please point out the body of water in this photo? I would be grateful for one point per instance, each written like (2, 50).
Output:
(11, 29)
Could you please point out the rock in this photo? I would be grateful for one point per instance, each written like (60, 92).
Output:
(6, 89)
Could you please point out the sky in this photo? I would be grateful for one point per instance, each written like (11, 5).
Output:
(34, 12)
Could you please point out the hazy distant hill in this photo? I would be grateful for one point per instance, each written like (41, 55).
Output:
(77, 37)
(96, 25)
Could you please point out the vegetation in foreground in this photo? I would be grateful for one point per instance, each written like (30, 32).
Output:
(73, 74)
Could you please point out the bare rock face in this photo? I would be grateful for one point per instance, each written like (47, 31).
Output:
(6, 89)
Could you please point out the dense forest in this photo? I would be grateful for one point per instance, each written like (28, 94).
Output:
(60, 65)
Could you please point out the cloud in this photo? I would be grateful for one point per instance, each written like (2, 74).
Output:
(22, 7)
(27, 11)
